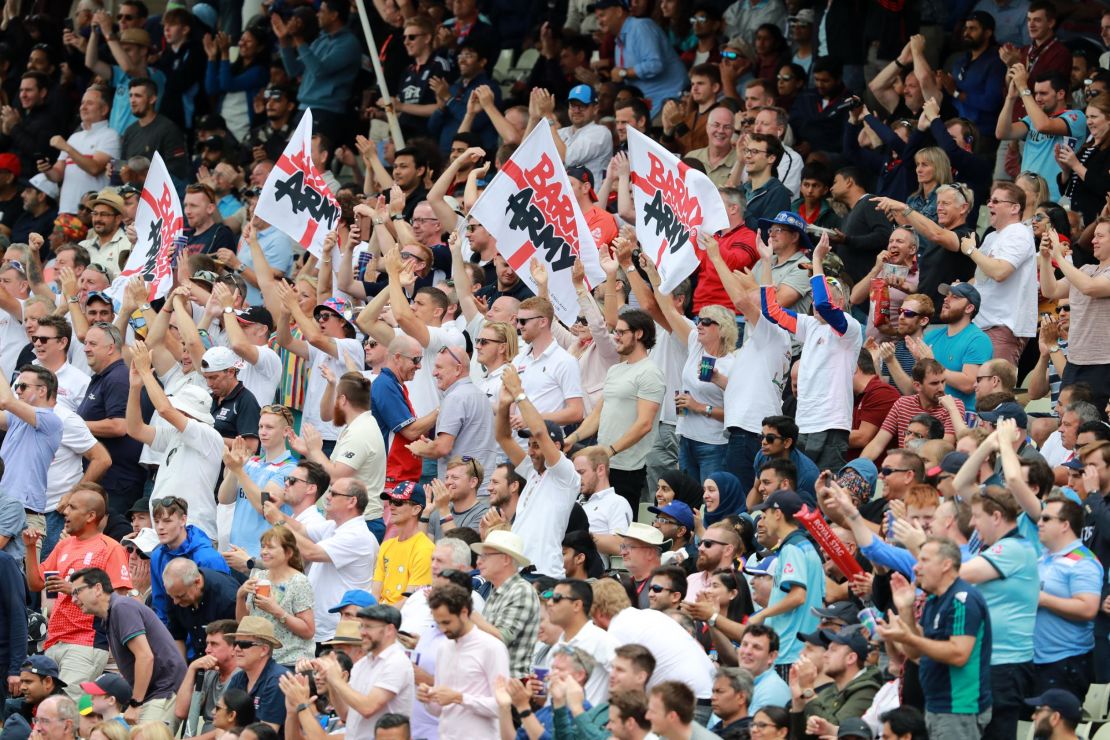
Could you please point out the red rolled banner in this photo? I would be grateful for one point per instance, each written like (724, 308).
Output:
(833, 546)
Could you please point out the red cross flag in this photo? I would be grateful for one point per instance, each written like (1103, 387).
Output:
(530, 210)
(158, 226)
(295, 197)
(673, 203)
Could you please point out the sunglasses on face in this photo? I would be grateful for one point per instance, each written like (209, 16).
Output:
(704, 321)
(246, 644)
(772, 438)
(909, 313)
(1063, 309)
(482, 341)
(655, 588)
(729, 55)
(888, 471)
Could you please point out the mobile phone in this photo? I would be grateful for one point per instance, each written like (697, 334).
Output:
(265, 497)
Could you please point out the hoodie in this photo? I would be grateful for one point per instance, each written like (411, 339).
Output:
(836, 706)
(196, 547)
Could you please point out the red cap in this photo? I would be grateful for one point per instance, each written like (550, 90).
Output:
(10, 162)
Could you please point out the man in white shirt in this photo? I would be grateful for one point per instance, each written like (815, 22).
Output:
(550, 376)
(381, 681)
(14, 292)
(608, 513)
(342, 558)
(194, 449)
(569, 609)
(249, 337)
(1006, 274)
(589, 144)
(86, 153)
(51, 345)
(548, 496)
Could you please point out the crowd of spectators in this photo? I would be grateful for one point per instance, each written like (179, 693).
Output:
(849, 479)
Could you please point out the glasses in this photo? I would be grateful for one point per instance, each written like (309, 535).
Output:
(97, 268)
(274, 95)
(20, 387)
(246, 644)
(710, 543)
(450, 352)
(660, 521)
(78, 589)
(470, 228)
(523, 320)
(370, 343)
(125, 17)
(337, 493)
(785, 78)
(750, 152)
(887, 471)
(655, 588)
(169, 502)
(411, 256)
(1038, 217)
(425, 220)
(730, 55)
(414, 360)
(763, 725)
(772, 438)
(555, 598)
(84, 209)
(1063, 309)
(621, 332)
(482, 341)
(996, 201)
(1048, 518)
(699, 19)
(392, 501)
(291, 479)
(104, 214)
(413, 36)
(40, 339)
(278, 410)
(984, 377)
(704, 321)
(909, 314)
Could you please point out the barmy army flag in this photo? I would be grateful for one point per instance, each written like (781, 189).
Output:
(158, 231)
(531, 211)
(673, 204)
(295, 197)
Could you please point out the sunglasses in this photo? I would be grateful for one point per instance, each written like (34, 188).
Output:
(909, 314)
(452, 354)
(523, 320)
(730, 55)
(20, 387)
(482, 341)
(168, 502)
(246, 644)
(555, 598)
(772, 438)
(370, 343)
(710, 543)
(655, 588)
(411, 256)
(1063, 309)
(887, 471)
(39, 339)
(703, 321)
(291, 479)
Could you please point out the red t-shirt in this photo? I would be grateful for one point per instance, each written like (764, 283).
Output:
(603, 225)
(872, 406)
(68, 624)
(738, 252)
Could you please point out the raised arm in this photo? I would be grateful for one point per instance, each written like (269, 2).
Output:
(510, 380)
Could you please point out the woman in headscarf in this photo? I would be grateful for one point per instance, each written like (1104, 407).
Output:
(859, 477)
(674, 485)
(722, 496)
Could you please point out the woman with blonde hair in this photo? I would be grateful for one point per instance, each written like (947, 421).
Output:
(700, 401)
(1036, 192)
(280, 592)
(150, 731)
(933, 170)
(495, 348)
(111, 729)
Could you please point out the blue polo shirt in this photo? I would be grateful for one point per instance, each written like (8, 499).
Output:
(797, 564)
(248, 524)
(949, 689)
(1072, 570)
(770, 691)
(1012, 597)
(269, 702)
(971, 346)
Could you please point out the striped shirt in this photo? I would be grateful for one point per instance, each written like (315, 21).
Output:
(907, 407)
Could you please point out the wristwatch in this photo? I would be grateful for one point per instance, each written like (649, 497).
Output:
(809, 694)
(134, 593)
(708, 410)
(73, 299)
(1025, 92)
(968, 249)
(229, 310)
(250, 563)
(712, 621)
(397, 217)
(301, 707)
(145, 307)
(622, 73)
(134, 703)
(521, 397)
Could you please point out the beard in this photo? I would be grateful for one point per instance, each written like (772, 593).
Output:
(339, 416)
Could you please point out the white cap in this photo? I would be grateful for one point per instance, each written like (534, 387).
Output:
(41, 183)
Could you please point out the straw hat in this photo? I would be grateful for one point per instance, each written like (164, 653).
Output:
(643, 533)
(506, 543)
(258, 628)
(346, 633)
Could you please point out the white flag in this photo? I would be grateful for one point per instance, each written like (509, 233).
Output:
(673, 204)
(158, 225)
(295, 197)
(531, 211)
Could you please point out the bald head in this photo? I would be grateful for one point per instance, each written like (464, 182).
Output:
(92, 501)
(405, 345)
(503, 309)
(180, 571)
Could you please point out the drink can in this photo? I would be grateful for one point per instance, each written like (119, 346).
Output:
(540, 674)
(705, 368)
(869, 618)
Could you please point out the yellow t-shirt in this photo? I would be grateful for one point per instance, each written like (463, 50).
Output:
(404, 566)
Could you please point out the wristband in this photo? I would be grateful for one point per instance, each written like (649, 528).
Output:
(301, 707)
(425, 520)
(525, 714)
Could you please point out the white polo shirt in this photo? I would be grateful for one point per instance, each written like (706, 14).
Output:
(543, 512)
(262, 378)
(353, 552)
(607, 512)
(72, 384)
(99, 137)
(550, 378)
(66, 469)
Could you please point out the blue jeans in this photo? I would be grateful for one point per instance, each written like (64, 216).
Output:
(742, 447)
(55, 525)
(698, 459)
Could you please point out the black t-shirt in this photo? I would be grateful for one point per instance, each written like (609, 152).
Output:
(211, 240)
(414, 88)
(11, 209)
(938, 265)
(26, 224)
(237, 415)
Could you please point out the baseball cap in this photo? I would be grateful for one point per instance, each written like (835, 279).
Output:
(1006, 410)
(354, 597)
(381, 613)
(853, 637)
(820, 637)
(406, 490)
(787, 502)
(109, 684)
(1059, 700)
(677, 510)
(1074, 464)
(553, 430)
(220, 358)
(583, 173)
(84, 705)
(583, 94)
(141, 506)
(211, 122)
(256, 315)
(854, 727)
(99, 295)
(790, 220)
(136, 36)
(805, 15)
(760, 567)
(962, 290)
(846, 611)
(40, 183)
(10, 162)
(40, 665)
(144, 542)
(983, 18)
(602, 4)
(205, 277)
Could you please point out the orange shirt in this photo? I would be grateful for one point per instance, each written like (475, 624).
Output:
(68, 624)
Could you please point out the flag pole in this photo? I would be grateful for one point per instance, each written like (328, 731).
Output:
(391, 115)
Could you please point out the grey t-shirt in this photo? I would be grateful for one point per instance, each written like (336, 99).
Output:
(625, 386)
(127, 620)
(464, 413)
(469, 518)
(211, 689)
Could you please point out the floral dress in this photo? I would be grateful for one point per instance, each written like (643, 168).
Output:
(294, 595)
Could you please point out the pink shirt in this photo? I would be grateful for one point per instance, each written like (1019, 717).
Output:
(470, 665)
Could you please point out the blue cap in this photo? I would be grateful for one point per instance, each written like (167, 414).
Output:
(962, 290)
(583, 94)
(677, 510)
(1059, 700)
(1075, 464)
(40, 665)
(790, 220)
(406, 491)
(1007, 410)
(761, 567)
(354, 597)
